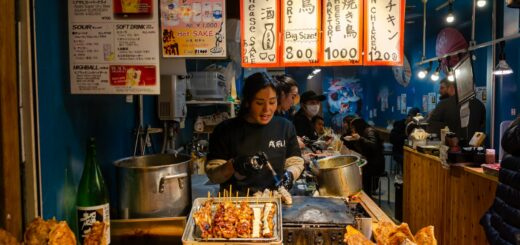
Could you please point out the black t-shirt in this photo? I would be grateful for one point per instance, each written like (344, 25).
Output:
(236, 137)
(304, 126)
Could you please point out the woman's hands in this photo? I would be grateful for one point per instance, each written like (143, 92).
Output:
(249, 165)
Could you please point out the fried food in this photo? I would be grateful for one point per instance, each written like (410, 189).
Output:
(257, 222)
(38, 231)
(267, 218)
(389, 234)
(355, 237)
(62, 235)
(426, 236)
(245, 220)
(203, 219)
(6, 238)
(97, 234)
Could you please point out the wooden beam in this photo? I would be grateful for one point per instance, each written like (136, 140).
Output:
(10, 185)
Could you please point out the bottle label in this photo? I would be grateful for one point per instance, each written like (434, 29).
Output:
(87, 216)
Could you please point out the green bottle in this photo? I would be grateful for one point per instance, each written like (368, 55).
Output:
(92, 202)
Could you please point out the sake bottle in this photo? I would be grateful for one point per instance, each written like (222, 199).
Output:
(92, 203)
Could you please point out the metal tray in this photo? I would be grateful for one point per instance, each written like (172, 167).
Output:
(192, 233)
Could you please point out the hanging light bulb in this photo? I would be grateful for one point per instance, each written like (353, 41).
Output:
(435, 76)
(424, 72)
(316, 71)
(309, 77)
(481, 3)
(450, 76)
(502, 67)
(450, 17)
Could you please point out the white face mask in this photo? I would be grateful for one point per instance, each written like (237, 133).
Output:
(313, 109)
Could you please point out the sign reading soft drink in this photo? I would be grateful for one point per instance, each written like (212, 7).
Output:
(105, 34)
(191, 28)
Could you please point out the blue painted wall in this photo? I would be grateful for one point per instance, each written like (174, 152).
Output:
(66, 121)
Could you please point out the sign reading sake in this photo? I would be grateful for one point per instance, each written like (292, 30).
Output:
(384, 32)
(259, 28)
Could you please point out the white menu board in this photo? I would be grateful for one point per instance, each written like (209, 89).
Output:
(342, 32)
(259, 28)
(114, 47)
(300, 29)
(384, 32)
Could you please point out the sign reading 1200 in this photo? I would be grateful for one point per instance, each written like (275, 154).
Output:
(300, 32)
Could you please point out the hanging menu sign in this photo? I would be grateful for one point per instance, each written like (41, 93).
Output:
(384, 32)
(113, 47)
(193, 28)
(342, 32)
(259, 28)
(300, 32)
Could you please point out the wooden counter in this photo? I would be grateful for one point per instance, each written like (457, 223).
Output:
(452, 200)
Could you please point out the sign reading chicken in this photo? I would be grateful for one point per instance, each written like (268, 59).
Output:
(193, 28)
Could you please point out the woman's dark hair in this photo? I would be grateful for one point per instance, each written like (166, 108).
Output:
(284, 83)
(359, 124)
(252, 85)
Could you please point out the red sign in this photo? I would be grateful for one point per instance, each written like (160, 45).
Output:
(132, 75)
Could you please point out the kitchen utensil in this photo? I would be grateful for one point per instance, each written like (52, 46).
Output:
(339, 175)
(154, 185)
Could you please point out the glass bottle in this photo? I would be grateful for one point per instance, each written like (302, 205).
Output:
(92, 203)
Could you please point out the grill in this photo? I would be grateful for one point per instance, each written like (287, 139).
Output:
(317, 220)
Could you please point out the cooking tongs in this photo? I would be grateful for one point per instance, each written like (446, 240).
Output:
(264, 160)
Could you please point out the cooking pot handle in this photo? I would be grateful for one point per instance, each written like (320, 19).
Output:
(362, 163)
(170, 177)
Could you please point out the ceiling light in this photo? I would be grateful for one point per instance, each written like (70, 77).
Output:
(316, 71)
(450, 17)
(309, 77)
(435, 76)
(450, 76)
(502, 67)
(481, 3)
(422, 73)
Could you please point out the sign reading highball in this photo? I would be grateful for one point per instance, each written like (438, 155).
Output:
(193, 28)
(114, 47)
(342, 32)
(259, 28)
(300, 32)
(384, 32)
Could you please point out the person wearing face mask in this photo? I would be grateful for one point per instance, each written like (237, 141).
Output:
(310, 106)
(240, 147)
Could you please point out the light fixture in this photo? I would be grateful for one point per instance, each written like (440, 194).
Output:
(450, 17)
(435, 76)
(502, 67)
(316, 71)
(309, 77)
(423, 72)
(450, 76)
(481, 3)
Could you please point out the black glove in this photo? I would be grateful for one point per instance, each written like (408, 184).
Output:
(249, 165)
(287, 180)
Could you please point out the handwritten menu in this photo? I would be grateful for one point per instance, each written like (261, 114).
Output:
(300, 29)
(193, 28)
(342, 32)
(384, 32)
(114, 47)
(259, 28)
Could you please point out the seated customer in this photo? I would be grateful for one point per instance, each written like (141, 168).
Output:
(310, 106)
(365, 140)
(319, 125)
(502, 221)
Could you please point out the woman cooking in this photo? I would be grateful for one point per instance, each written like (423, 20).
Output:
(240, 147)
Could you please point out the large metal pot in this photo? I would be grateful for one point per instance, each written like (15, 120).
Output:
(339, 175)
(154, 186)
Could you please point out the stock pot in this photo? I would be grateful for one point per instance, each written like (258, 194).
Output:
(154, 186)
(339, 175)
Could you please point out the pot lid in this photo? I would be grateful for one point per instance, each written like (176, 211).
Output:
(317, 210)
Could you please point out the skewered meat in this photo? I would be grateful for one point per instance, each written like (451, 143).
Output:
(97, 234)
(203, 219)
(7, 238)
(245, 220)
(218, 220)
(267, 218)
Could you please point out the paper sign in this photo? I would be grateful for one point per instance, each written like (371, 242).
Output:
(300, 29)
(342, 39)
(119, 33)
(259, 28)
(384, 32)
(192, 28)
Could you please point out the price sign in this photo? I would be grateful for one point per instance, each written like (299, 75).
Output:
(300, 29)
(342, 39)
(384, 32)
(259, 28)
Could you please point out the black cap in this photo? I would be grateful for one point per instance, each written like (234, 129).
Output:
(311, 95)
(413, 111)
